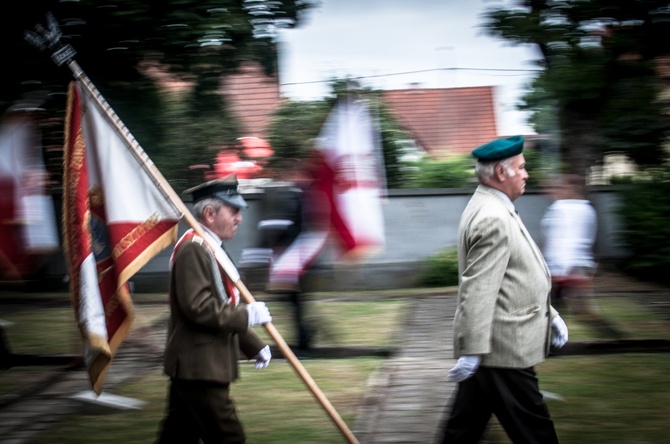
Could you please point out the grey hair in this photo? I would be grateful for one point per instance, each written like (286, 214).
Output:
(485, 169)
(199, 206)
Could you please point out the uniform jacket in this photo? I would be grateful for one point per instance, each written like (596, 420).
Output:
(204, 333)
(503, 311)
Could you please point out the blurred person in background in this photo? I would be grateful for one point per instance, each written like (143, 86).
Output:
(208, 325)
(504, 322)
(296, 229)
(28, 228)
(569, 227)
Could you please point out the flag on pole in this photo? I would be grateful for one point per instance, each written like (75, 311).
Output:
(350, 174)
(342, 196)
(115, 219)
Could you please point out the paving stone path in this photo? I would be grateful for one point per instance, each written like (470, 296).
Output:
(406, 398)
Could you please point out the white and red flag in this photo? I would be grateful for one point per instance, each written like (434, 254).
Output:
(350, 175)
(115, 219)
(341, 196)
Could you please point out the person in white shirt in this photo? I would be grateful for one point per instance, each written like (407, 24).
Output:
(569, 228)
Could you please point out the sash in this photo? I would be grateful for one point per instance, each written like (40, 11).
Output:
(225, 287)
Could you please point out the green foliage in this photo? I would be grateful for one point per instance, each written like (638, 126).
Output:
(597, 74)
(294, 127)
(644, 212)
(441, 270)
(455, 172)
(539, 167)
(458, 172)
(634, 122)
(193, 131)
(391, 134)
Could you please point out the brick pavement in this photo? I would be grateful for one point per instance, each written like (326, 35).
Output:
(406, 398)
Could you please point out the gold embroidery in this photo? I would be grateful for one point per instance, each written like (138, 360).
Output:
(132, 237)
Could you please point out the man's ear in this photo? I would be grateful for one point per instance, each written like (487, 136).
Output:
(208, 213)
(499, 171)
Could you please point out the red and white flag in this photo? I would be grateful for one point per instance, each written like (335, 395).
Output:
(341, 196)
(115, 219)
(351, 176)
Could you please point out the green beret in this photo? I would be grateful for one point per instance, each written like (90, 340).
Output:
(499, 149)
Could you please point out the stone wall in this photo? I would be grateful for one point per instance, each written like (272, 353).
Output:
(418, 224)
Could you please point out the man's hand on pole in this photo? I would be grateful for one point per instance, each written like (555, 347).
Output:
(258, 314)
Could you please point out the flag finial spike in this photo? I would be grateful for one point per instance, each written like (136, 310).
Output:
(49, 39)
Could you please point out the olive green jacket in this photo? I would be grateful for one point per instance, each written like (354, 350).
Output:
(204, 333)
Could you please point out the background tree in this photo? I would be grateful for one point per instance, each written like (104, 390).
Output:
(186, 40)
(295, 125)
(598, 77)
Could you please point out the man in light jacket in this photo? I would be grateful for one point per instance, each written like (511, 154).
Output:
(504, 323)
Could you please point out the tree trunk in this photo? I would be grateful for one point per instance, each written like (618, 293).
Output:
(580, 136)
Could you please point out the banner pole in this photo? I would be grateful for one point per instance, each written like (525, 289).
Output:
(65, 54)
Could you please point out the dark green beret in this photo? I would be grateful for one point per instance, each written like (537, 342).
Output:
(499, 149)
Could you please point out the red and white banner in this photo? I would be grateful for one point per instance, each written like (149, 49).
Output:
(342, 187)
(351, 176)
(115, 219)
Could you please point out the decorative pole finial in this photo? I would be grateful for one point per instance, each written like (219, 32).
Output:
(49, 39)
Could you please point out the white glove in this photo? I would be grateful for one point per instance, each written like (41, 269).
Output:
(559, 332)
(263, 357)
(258, 314)
(465, 367)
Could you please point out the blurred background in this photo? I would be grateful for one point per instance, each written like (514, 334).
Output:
(210, 88)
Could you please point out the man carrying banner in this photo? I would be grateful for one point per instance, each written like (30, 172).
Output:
(208, 325)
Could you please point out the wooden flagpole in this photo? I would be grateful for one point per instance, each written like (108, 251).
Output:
(50, 38)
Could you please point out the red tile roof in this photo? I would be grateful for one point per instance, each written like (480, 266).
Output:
(253, 97)
(446, 120)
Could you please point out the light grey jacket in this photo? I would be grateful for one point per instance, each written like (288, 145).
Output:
(504, 310)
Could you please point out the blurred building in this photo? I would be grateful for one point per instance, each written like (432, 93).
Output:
(253, 98)
(445, 121)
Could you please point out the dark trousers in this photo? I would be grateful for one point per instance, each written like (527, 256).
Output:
(303, 331)
(513, 395)
(200, 410)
